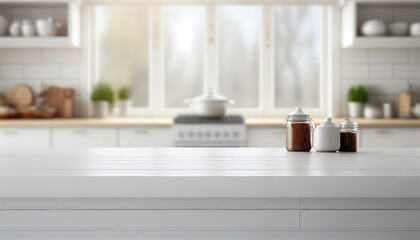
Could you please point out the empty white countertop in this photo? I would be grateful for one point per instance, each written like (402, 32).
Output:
(208, 172)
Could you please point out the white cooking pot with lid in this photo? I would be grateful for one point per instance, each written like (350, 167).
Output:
(209, 104)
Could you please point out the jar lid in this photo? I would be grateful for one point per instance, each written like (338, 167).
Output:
(327, 124)
(348, 124)
(209, 96)
(298, 114)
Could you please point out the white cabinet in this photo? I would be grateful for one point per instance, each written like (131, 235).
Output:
(24, 137)
(266, 137)
(84, 137)
(63, 11)
(389, 137)
(145, 137)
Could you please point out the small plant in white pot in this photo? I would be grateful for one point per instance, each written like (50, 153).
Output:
(103, 99)
(124, 95)
(357, 97)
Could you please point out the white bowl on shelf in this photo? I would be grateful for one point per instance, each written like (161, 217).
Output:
(398, 29)
(415, 29)
(374, 28)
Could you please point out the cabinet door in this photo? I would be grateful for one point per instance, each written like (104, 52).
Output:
(84, 137)
(266, 137)
(24, 137)
(145, 137)
(390, 137)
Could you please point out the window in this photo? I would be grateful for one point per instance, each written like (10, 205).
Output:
(122, 49)
(268, 58)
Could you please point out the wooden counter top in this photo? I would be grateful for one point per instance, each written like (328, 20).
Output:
(167, 122)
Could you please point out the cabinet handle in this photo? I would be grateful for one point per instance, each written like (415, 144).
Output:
(141, 131)
(383, 132)
(10, 132)
(80, 131)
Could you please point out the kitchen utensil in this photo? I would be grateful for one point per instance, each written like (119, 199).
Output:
(348, 135)
(374, 28)
(47, 27)
(416, 110)
(299, 130)
(398, 29)
(404, 108)
(28, 112)
(387, 110)
(209, 104)
(372, 111)
(3, 25)
(327, 137)
(415, 29)
(62, 99)
(20, 96)
(27, 28)
(14, 28)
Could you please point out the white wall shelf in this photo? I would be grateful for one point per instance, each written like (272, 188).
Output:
(355, 12)
(67, 12)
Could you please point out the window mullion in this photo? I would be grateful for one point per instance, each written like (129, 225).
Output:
(211, 72)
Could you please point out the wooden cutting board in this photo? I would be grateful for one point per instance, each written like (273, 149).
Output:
(404, 108)
(62, 99)
(20, 96)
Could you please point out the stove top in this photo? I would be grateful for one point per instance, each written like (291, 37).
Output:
(192, 119)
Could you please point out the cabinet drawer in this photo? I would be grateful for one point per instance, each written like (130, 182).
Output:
(266, 137)
(24, 137)
(360, 219)
(390, 137)
(148, 219)
(145, 137)
(84, 137)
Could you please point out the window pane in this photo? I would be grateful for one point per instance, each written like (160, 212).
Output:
(297, 39)
(183, 37)
(239, 36)
(122, 53)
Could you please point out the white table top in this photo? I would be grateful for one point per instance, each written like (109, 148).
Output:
(208, 172)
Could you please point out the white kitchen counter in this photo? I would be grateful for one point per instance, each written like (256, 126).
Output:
(206, 172)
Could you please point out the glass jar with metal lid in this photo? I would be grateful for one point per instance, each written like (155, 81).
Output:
(299, 131)
(348, 135)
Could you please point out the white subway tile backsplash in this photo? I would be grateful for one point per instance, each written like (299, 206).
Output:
(388, 56)
(380, 71)
(42, 71)
(415, 56)
(70, 71)
(12, 71)
(354, 56)
(6, 85)
(61, 56)
(407, 71)
(20, 56)
(377, 87)
(406, 14)
(355, 72)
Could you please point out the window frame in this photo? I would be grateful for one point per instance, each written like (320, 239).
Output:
(329, 61)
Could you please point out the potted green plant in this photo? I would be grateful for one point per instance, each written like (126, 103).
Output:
(124, 95)
(103, 99)
(357, 97)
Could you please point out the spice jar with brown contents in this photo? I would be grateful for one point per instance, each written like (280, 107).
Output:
(299, 131)
(348, 136)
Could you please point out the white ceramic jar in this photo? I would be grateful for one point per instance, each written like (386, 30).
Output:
(27, 28)
(415, 29)
(14, 28)
(327, 137)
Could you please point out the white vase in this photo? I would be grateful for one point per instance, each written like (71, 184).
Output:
(123, 106)
(3, 25)
(14, 28)
(355, 109)
(100, 109)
